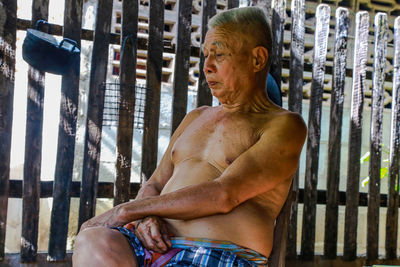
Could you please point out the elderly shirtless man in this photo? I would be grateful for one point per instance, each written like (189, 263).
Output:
(225, 175)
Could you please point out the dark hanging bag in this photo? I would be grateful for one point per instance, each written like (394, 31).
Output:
(42, 51)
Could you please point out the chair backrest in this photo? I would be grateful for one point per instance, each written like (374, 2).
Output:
(278, 254)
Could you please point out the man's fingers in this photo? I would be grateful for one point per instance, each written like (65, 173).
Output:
(150, 244)
(157, 237)
(149, 234)
(165, 235)
(167, 240)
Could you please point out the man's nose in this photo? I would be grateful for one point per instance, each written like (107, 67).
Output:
(209, 66)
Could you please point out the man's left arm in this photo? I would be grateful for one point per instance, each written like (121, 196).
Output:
(270, 161)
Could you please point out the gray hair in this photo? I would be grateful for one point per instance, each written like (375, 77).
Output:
(250, 21)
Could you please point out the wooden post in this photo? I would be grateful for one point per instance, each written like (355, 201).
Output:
(277, 30)
(335, 132)
(233, 3)
(66, 140)
(127, 79)
(381, 35)
(182, 63)
(33, 150)
(91, 159)
(314, 131)
(264, 5)
(208, 10)
(394, 157)
(8, 33)
(353, 166)
(277, 257)
(153, 83)
(295, 104)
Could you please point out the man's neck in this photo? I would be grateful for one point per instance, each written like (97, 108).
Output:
(256, 102)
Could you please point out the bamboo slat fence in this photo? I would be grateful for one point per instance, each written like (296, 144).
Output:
(62, 189)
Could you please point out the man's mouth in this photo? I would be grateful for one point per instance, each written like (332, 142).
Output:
(211, 83)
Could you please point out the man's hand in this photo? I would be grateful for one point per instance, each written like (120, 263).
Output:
(110, 218)
(153, 233)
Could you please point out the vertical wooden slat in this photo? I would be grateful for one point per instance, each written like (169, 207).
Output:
(153, 83)
(277, 257)
(127, 78)
(394, 156)
(182, 63)
(91, 159)
(314, 131)
(335, 132)
(381, 35)
(33, 149)
(295, 104)
(208, 10)
(264, 5)
(353, 166)
(66, 139)
(8, 33)
(233, 3)
(277, 27)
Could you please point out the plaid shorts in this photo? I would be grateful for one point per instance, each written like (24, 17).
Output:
(193, 252)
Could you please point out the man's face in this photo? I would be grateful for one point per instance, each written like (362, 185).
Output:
(227, 66)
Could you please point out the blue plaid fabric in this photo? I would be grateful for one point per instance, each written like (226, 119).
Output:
(207, 257)
(189, 256)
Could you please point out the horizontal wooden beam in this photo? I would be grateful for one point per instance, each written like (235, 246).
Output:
(55, 29)
(106, 190)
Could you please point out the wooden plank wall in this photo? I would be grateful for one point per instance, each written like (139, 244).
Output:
(335, 133)
(127, 78)
(8, 30)
(295, 104)
(182, 63)
(91, 159)
(357, 104)
(208, 10)
(62, 189)
(33, 149)
(314, 132)
(381, 35)
(66, 140)
(153, 83)
(278, 254)
(394, 158)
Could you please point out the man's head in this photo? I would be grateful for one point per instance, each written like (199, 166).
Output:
(236, 54)
(248, 23)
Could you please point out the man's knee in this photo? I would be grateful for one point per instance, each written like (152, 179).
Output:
(103, 246)
(89, 237)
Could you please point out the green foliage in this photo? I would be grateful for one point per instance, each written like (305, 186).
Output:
(384, 168)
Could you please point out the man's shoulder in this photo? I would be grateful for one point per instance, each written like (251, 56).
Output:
(195, 113)
(285, 117)
(285, 123)
(191, 116)
(198, 111)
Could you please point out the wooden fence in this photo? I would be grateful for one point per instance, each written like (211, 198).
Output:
(31, 189)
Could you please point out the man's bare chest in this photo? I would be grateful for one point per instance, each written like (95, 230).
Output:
(218, 141)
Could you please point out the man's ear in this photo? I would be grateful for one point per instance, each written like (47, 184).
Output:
(260, 58)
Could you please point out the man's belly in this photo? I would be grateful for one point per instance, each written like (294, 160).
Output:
(248, 225)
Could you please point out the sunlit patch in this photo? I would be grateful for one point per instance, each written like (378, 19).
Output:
(7, 60)
(26, 244)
